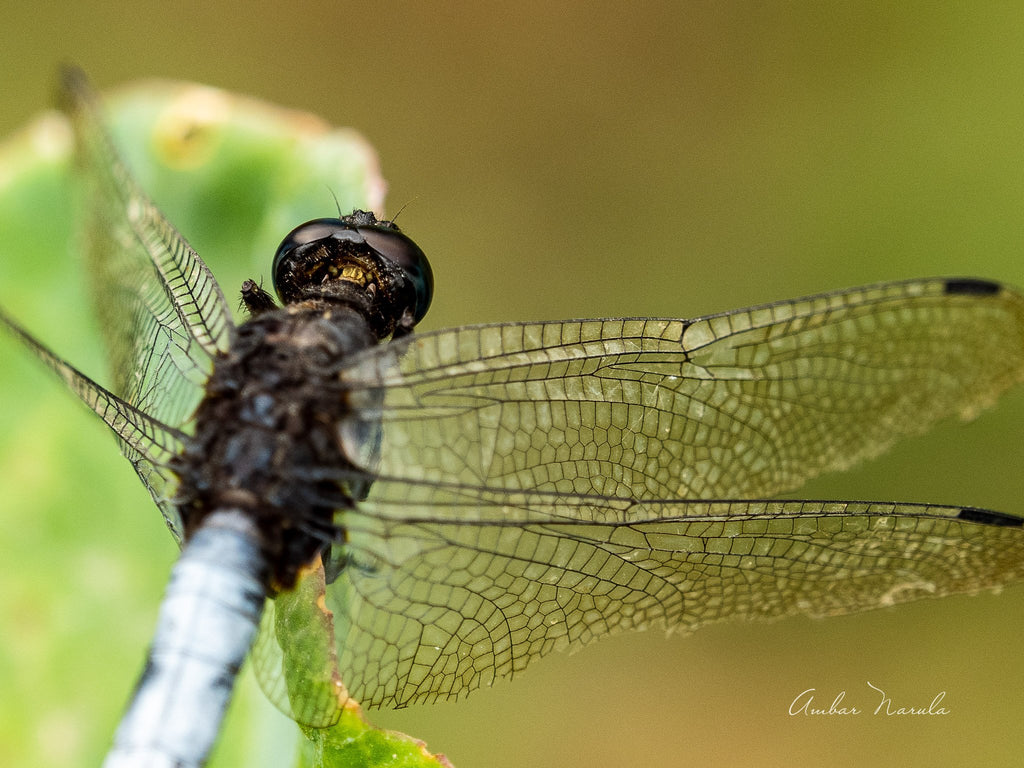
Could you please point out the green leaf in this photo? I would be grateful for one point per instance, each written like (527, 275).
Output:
(353, 743)
(234, 175)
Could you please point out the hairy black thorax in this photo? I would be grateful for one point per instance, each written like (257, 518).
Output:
(266, 438)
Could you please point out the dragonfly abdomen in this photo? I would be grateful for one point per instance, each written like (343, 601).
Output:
(207, 623)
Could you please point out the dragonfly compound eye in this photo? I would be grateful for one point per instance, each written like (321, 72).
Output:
(302, 248)
(357, 248)
(403, 253)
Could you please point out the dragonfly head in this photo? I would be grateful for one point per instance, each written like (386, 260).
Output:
(360, 261)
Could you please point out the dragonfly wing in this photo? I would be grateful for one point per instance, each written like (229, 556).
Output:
(447, 589)
(147, 443)
(162, 313)
(743, 404)
(515, 464)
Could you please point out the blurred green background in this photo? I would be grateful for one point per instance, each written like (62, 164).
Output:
(600, 159)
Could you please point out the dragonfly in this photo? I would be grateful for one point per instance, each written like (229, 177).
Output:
(402, 517)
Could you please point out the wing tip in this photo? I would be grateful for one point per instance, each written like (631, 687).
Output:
(972, 286)
(988, 517)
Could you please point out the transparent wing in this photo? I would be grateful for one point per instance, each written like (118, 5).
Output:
(447, 589)
(538, 486)
(744, 404)
(162, 313)
(147, 443)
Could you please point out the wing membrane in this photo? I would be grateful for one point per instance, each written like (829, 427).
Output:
(538, 486)
(744, 404)
(162, 313)
(448, 589)
(163, 316)
(148, 444)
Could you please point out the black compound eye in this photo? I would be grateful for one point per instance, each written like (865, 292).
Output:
(310, 232)
(407, 256)
(306, 253)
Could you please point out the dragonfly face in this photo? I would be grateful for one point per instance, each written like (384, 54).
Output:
(484, 495)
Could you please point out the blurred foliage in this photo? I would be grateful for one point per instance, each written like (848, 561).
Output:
(563, 160)
(264, 169)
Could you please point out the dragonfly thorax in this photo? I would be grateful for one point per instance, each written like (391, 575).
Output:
(266, 439)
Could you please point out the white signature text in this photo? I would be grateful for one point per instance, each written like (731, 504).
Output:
(806, 704)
